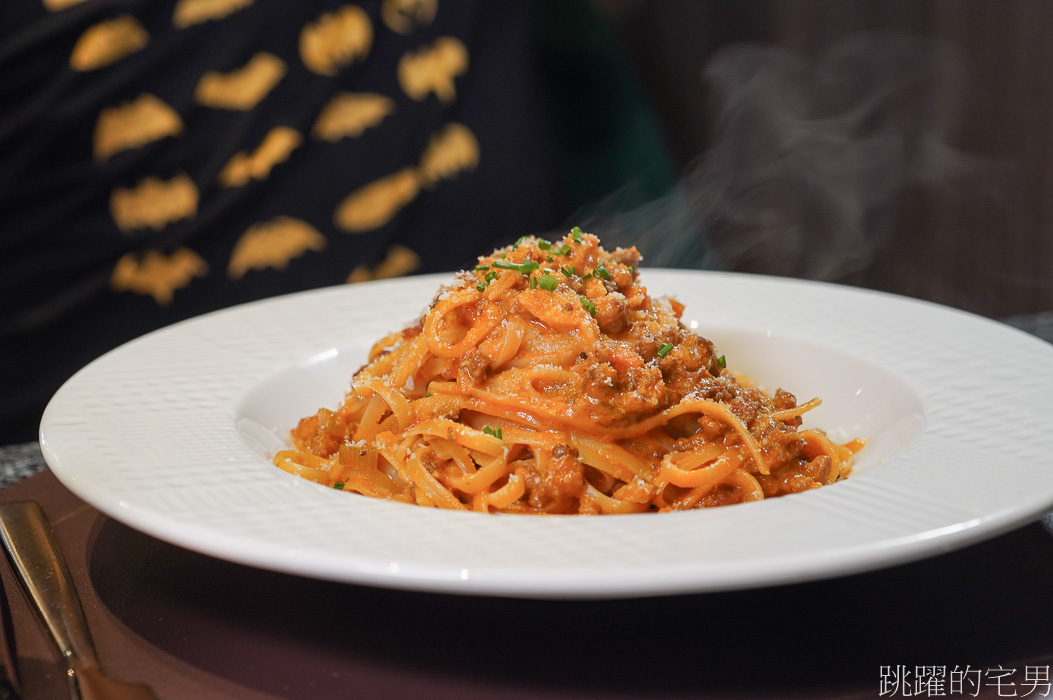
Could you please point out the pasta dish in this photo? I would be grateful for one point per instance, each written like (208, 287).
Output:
(547, 380)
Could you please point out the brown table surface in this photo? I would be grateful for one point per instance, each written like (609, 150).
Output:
(197, 627)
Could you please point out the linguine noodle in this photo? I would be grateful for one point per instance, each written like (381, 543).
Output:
(547, 380)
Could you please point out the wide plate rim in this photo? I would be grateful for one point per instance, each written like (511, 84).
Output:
(956, 525)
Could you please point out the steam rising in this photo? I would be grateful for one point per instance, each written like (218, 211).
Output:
(808, 159)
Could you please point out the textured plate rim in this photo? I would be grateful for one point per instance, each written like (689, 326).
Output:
(958, 521)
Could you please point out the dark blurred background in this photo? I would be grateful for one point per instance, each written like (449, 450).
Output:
(903, 145)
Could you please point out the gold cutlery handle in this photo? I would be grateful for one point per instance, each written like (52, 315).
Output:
(31, 546)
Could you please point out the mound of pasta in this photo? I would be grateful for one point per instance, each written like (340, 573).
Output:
(547, 380)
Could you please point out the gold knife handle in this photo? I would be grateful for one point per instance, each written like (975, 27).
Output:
(30, 543)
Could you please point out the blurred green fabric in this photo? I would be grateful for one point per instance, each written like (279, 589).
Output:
(607, 134)
(618, 174)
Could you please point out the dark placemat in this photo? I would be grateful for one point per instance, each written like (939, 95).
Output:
(20, 461)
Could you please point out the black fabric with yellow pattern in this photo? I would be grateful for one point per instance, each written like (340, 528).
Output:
(159, 160)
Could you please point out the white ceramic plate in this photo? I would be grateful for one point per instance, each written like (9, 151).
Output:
(173, 433)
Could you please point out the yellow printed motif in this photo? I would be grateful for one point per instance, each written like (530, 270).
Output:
(56, 5)
(243, 88)
(348, 114)
(154, 203)
(134, 124)
(273, 244)
(403, 16)
(451, 151)
(400, 261)
(336, 39)
(373, 205)
(433, 69)
(108, 42)
(157, 275)
(277, 146)
(190, 12)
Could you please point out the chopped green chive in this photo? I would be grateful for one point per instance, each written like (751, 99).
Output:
(543, 244)
(490, 431)
(547, 282)
(664, 349)
(487, 279)
(339, 486)
(426, 395)
(722, 362)
(533, 282)
(575, 233)
(562, 250)
(525, 268)
(480, 268)
(568, 270)
(589, 306)
(602, 272)
(519, 241)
